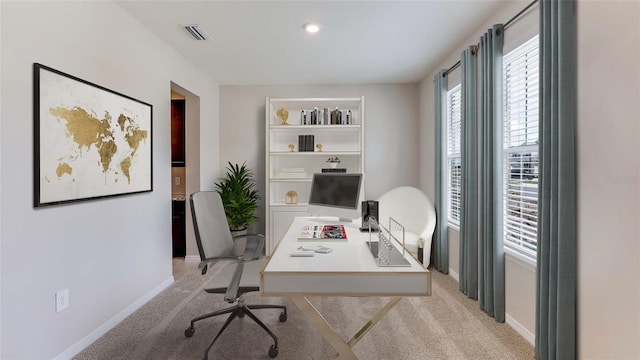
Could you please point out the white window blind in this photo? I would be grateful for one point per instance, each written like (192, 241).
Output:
(454, 97)
(521, 147)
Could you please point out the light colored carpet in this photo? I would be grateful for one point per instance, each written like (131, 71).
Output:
(445, 325)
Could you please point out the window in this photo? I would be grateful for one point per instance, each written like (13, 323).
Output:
(454, 97)
(521, 148)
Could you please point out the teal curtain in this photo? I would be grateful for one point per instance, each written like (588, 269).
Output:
(469, 177)
(491, 279)
(441, 234)
(557, 248)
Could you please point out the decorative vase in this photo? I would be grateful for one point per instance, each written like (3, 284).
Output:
(333, 165)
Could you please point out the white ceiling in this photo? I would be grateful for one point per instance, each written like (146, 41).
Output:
(360, 42)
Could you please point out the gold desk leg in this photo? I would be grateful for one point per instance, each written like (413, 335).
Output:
(329, 333)
(371, 323)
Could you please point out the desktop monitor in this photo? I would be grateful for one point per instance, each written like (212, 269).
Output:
(335, 194)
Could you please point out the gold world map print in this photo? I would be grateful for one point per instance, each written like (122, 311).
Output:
(90, 142)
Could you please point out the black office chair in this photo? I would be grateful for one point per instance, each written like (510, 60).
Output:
(215, 243)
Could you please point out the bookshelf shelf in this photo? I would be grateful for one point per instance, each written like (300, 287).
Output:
(282, 179)
(288, 170)
(314, 153)
(298, 128)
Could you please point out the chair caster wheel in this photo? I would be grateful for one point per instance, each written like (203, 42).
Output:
(273, 351)
(283, 317)
(189, 332)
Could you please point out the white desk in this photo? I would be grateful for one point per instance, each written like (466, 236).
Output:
(349, 270)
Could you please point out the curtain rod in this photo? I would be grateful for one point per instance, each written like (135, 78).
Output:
(454, 66)
(519, 14)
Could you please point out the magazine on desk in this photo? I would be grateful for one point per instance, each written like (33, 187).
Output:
(323, 232)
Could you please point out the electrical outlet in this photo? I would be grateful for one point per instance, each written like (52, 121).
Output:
(62, 300)
(177, 180)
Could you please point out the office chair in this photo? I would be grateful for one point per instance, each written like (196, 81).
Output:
(215, 243)
(413, 209)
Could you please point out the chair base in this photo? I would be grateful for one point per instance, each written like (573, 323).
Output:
(240, 309)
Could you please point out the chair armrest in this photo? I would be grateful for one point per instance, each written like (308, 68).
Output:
(258, 239)
(231, 295)
(204, 264)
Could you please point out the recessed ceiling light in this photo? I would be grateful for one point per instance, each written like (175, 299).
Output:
(311, 27)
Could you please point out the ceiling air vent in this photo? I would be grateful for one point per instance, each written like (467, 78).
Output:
(197, 32)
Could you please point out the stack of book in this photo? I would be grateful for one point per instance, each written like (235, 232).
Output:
(326, 116)
(292, 173)
(305, 143)
(334, 170)
(340, 117)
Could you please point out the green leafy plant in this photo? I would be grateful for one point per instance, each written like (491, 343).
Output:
(239, 196)
(333, 160)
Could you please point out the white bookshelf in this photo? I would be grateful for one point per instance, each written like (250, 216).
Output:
(346, 141)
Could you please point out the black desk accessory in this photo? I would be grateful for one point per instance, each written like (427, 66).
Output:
(369, 212)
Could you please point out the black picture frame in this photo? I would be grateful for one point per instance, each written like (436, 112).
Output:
(90, 142)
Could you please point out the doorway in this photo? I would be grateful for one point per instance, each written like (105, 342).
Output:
(178, 175)
(185, 168)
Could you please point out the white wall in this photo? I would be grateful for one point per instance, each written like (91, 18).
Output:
(111, 254)
(391, 146)
(608, 181)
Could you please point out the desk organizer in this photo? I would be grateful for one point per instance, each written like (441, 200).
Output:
(384, 251)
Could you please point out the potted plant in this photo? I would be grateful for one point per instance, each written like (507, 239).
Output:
(239, 196)
(333, 162)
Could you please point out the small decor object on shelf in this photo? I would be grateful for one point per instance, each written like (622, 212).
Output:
(283, 115)
(319, 146)
(291, 147)
(333, 162)
(292, 197)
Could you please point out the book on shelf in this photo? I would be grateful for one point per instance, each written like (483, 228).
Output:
(306, 143)
(310, 143)
(334, 116)
(323, 232)
(297, 173)
(334, 170)
(292, 170)
(292, 175)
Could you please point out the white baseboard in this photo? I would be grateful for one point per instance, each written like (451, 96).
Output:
(192, 258)
(454, 274)
(520, 329)
(111, 323)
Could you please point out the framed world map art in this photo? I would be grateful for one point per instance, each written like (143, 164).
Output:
(89, 142)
